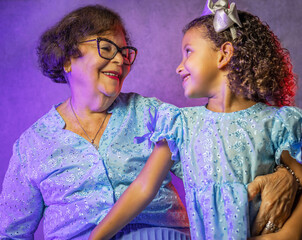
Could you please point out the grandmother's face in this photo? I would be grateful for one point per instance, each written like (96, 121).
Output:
(92, 75)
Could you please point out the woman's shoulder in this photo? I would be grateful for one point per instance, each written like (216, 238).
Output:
(137, 98)
(46, 124)
(193, 113)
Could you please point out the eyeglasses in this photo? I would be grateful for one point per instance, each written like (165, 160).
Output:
(108, 50)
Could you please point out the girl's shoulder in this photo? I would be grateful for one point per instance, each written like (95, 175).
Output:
(288, 119)
(288, 112)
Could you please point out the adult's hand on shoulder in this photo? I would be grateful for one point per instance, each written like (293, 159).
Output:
(278, 191)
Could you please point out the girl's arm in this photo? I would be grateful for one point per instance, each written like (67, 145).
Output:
(138, 195)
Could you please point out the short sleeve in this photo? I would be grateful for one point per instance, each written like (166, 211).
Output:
(287, 132)
(166, 123)
(21, 203)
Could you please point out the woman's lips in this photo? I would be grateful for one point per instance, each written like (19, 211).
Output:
(112, 74)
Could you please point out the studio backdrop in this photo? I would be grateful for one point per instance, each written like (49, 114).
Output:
(155, 28)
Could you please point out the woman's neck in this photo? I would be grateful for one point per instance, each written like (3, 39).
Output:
(88, 105)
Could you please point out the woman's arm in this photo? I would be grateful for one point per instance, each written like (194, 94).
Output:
(21, 202)
(292, 228)
(278, 192)
(138, 195)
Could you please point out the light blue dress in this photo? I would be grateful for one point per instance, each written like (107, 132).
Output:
(221, 153)
(57, 174)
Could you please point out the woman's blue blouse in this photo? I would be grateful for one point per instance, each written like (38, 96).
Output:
(57, 174)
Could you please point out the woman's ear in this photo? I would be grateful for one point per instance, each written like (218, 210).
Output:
(225, 54)
(67, 66)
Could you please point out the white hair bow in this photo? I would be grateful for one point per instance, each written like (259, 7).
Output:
(225, 16)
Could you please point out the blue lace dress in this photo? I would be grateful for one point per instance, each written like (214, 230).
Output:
(221, 153)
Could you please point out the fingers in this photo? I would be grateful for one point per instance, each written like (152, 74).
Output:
(271, 216)
(260, 221)
(271, 227)
(254, 187)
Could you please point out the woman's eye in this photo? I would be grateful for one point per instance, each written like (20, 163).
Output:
(107, 49)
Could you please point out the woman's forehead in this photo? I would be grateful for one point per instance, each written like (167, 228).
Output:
(114, 35)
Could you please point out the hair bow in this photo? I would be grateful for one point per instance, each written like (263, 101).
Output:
(225, 16)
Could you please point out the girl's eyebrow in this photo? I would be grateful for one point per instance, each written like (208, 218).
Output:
(186, 45)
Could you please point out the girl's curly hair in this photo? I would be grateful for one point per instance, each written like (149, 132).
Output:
(260, 69)
(60, 42)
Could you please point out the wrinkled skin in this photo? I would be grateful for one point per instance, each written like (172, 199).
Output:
(278, 191)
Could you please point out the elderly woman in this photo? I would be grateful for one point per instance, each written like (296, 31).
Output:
(75, 162)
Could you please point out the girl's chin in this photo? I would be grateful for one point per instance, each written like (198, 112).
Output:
(188, 93)
(193, 95)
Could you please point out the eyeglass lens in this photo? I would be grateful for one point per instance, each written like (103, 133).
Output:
(108, 50)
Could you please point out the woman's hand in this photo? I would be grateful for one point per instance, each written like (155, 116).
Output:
(276, 236)
(278, 191)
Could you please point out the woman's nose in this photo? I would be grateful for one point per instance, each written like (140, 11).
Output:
(118, 58)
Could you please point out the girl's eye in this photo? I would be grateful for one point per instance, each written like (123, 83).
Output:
(188, 51)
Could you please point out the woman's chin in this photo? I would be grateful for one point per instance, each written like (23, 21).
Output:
(111, 92)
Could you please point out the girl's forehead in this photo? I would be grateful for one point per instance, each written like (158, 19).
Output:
(193, 35)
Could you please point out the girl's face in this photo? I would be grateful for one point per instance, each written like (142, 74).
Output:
(91, 76)
(198, 68)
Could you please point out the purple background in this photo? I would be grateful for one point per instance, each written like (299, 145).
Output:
(155, 28)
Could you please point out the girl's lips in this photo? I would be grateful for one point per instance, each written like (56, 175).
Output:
(185, 78)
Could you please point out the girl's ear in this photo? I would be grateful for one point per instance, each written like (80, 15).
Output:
(67, 66)
(225, 54)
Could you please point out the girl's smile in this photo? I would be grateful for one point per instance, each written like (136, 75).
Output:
(198, 68)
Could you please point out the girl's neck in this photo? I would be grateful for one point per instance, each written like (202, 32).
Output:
(226, 101)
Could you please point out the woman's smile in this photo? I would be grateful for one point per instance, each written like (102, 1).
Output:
(113, 75)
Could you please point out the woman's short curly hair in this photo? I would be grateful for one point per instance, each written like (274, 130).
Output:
(60, 42)
(260, 69)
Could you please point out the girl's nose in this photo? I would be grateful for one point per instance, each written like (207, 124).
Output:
(179, 69)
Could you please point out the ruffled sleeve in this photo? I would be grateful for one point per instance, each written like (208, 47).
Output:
(166, 123)
(287, 132)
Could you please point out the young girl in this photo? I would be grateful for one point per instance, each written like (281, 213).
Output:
(238, 64)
